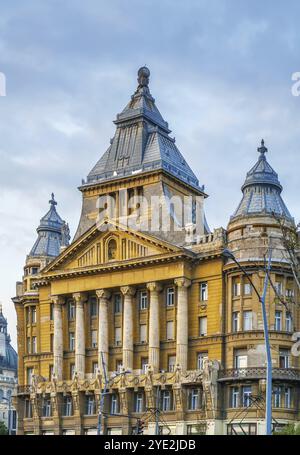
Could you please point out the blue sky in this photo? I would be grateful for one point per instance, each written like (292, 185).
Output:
(220, 73)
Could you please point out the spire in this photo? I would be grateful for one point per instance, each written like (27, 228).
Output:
(262, 150)
(52, 201)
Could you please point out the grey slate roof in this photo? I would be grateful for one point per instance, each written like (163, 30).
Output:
(53, 233)
(262, 190)
(141, 142)
(10, 360)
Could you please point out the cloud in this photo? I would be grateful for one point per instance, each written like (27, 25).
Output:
(220, 74)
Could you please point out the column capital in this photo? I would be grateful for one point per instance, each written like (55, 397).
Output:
(154, 286)
(103, 294)
(57, 299)
(182, 282)
(79, 297)
(127, 290)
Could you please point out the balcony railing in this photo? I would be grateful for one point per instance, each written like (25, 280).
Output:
(23, 389)
(232, 374)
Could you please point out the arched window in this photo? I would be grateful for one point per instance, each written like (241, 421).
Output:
(8, 393)
(112, 250)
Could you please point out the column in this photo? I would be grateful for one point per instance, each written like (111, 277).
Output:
(58, 337)
(154, 333)
(182, 322)
(128, 293)
(79, 335)
(103, 297)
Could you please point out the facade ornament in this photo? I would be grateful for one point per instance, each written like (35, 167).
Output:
(143, 76)
(75, 384)
(149, 376)
(65, 234)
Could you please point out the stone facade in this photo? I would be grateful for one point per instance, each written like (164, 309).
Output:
(126, 324)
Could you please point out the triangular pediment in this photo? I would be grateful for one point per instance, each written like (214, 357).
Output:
(108, 244)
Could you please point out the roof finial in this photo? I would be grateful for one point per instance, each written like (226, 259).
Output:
(143, 76)
(52, 200)
(262, 149)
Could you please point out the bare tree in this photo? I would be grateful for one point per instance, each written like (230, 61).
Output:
(291, 243)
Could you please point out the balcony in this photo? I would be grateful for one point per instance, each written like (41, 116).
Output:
(23, 389)
(236, 374)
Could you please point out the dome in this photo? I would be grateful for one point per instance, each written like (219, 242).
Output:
(262, 191)
(53, 233)
(8, 356)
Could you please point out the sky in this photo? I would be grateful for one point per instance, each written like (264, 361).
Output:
(221, 74)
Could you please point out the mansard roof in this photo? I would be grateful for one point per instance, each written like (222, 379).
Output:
(262, 190)
(141, 142)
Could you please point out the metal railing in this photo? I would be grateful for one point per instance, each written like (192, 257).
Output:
(231, 374)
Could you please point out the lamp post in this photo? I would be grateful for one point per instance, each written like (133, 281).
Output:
(262, 298)
(104, 393)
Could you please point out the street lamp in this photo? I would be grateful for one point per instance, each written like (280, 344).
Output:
(262, 298)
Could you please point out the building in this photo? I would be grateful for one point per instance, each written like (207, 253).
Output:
(143, 305)
(8, 377)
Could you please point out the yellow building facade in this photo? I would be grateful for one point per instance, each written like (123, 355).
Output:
(140, 321)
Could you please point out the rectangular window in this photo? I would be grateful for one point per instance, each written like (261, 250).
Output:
(277, 397)
(28, 345)
(247, 320)
(51, 341)
(166, 400)
(288, 322)
(71, 310)
(118, 336)
(201, 358)
(170, 297)
(72, 341)
(114, 404)
(240, 358)
(51, 311)
(194, 400)
(93, 307)
(203, 288)
(284, 358)
(278, 321)
(90, 405)
(28, 409)
(33, 345)
(94, 336)
(119, 365)
(143, 300)
(144, 364)
(143, 333)
(29, 375)
(247, 289)
(170, 330)
(287, 397)
(236, 289)
(139, 402)
(68, 407)
(72, 370)
(278, 287)
(290, 293)
(117, 303)
(47, 411)
(95, 368)
(234, 398)
(203, 326)
(27, 311)
(171, 363)
(51, 369)
(235, 321)
(33, 315)
(246, 393)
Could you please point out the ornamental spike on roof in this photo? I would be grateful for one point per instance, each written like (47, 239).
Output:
(141, 142)
(262, 190)
(53, 233)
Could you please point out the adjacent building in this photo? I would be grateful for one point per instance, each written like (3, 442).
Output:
(8, 377)
(142, 304)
